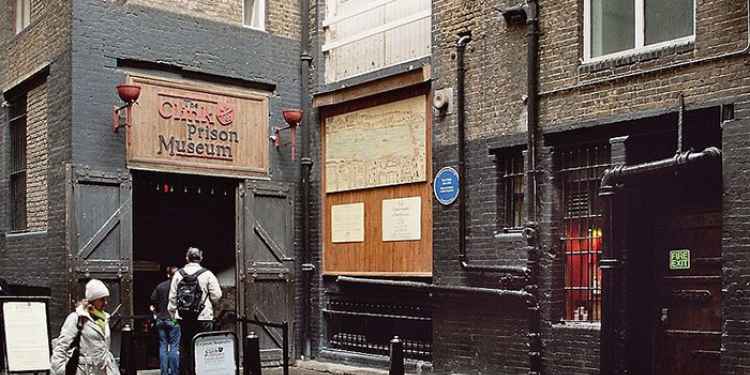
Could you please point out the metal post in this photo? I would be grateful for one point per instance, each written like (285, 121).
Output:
(251, 362)
(285, 341)
(397, 357)
(127, 364)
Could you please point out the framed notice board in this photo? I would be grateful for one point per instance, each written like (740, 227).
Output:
(24, 332)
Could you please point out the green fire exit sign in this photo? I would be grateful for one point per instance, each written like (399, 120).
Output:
(679, 259)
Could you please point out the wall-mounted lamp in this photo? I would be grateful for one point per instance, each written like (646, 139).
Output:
(293, 118)
(129, 94)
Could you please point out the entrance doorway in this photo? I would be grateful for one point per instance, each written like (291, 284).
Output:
(674, 258)
(172, 212)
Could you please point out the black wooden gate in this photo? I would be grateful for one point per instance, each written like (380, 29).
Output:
(268, 231)
(99, 241)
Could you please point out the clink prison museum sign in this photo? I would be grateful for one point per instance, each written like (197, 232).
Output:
(184, 127)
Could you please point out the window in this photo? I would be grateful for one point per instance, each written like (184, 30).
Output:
(581, 169)
(254, 14)
(510, 189)
(23, 14)
(18, 163)
(615, 27)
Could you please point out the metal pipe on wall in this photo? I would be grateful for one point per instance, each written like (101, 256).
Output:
(305, 166)
(463, 40)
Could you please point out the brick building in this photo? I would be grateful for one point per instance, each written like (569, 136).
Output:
(196, 166)
(608, 264)
(558, 270)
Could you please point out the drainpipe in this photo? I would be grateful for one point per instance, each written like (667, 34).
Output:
(533, 245)
(306, 164)
(463, 40)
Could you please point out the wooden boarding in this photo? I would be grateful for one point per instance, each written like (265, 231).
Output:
(373, 256)
(181, 126)
(377, 146)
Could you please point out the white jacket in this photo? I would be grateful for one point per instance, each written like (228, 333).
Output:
(209, 286)
(96, 358)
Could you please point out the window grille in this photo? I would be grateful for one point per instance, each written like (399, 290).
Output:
(581, 170)
(510, 189)
(18, 163)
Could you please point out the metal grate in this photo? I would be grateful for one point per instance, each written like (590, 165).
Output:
(580, 171)
(18, 163)
(368, 327)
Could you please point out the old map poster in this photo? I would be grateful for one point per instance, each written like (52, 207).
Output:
(377, 146)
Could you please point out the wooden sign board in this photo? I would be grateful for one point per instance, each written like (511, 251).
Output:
(25, 335)
(378, 146)
(179, 126)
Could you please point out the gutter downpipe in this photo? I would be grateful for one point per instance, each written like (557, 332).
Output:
(308, 270)
(531, 234)
(610, 263)
(464, 40)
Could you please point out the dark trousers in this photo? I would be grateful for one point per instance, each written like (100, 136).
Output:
(189, 329)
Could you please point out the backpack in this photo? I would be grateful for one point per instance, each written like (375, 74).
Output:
(190, 300)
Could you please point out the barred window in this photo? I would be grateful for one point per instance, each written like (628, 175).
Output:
(581, 169)
(510, 189)
(18, 163)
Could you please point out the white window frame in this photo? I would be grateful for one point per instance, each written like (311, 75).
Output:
(22, 15)
(640, 32)
(262, 16)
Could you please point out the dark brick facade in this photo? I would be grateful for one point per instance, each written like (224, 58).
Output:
(579, 102)
(83, 49)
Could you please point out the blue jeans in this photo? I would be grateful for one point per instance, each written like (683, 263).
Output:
(169, 346)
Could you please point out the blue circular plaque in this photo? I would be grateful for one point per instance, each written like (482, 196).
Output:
(446, 185)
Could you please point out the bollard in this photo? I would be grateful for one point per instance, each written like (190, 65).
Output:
(127, 364)
(251, 347)
(397, 357)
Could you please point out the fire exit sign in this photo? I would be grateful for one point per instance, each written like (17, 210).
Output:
(679, 259)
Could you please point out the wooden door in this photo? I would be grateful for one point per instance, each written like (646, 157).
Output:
(100, 235)
(269, 266)
(688, 270)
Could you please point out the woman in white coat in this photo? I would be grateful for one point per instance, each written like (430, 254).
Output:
(95, 356)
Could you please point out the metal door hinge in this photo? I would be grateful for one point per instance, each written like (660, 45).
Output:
(308, 267)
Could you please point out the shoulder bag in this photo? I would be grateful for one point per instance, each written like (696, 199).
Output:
(71, 368)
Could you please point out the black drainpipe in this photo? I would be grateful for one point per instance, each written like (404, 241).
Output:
(463, 40)
(306, 164)
(533, 246)
(527, 12)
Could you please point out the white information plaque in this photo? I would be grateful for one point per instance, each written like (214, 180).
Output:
(402, 219)
(348, 222)
(26, 336)
(214, 355)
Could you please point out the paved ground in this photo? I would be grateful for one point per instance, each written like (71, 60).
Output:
(309, 368)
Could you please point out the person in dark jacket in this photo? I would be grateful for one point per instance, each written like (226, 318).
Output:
(168, 328)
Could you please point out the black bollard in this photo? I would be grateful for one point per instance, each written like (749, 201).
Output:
(397, 357)
(127, 364)
(251, 347)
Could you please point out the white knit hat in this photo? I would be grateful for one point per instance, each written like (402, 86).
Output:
(96, 289)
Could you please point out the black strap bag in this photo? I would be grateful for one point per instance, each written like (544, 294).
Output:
(190, 301)
(71, 368)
